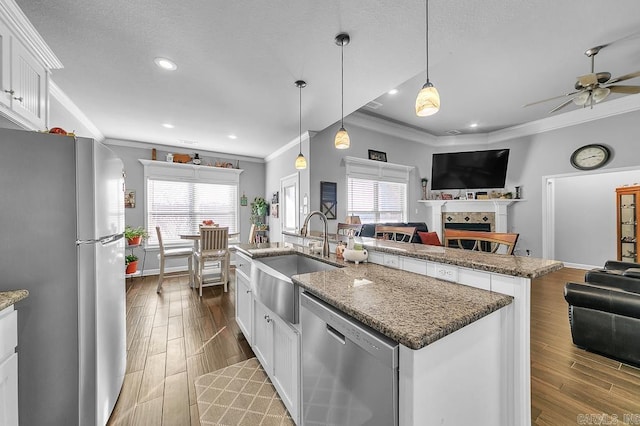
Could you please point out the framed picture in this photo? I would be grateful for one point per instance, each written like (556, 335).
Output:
(274, 210)
(446, 196)
(328, 199)
(377, 155)
(129, 199)
(471, 195)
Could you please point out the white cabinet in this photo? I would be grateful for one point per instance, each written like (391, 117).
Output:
(8, 367)
(263, 336)
(244, 298)
(24, 72)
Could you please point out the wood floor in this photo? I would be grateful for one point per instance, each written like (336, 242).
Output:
(571, 386)
(172, 338)
(175, 337)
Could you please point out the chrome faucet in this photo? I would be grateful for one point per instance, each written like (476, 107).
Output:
(325, 243)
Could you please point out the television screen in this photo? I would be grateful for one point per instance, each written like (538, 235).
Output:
(470, 170)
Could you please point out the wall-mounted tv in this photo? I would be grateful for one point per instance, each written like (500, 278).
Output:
(470, 170)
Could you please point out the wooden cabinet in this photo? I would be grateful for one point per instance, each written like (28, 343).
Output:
(8, 367)
(627, 222)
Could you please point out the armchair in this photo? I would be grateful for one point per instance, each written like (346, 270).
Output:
(604, 312)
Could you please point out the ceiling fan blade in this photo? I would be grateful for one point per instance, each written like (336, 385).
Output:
(562, 105)
(551, 99)
(588, 80)
(625, 89)
(624, 77)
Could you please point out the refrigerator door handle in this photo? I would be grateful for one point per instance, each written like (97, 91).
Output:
(104, 240)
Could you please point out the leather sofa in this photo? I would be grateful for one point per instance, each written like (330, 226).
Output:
(604, 312)
(369, 229)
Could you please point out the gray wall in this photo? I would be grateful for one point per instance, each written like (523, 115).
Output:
(251, 184)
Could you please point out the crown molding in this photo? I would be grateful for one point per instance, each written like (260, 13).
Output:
(27, 34)
(390, 128)
(72, 108)
(295, 142)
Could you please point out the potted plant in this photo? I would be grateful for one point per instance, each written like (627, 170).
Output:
(135, 235)
(259, 209)
(131, 262)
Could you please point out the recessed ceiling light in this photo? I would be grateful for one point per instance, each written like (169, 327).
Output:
(472, 125)
(166, 64)
(168, 125)
(233, 137)
(392, 91)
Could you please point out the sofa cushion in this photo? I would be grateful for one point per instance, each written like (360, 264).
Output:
(430, 238)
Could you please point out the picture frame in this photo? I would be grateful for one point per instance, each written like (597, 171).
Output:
(471, 195)
(329, 199)
(274, 210)
(446, 196)
(377, 155)
(129, 199)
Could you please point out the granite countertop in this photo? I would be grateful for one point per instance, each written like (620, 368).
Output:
(517, 266)
(8, 298)
(412, 309)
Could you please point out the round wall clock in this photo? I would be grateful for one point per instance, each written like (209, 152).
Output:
(590, 157)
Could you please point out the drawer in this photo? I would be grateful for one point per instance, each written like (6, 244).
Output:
(243, 264)
(8, 332)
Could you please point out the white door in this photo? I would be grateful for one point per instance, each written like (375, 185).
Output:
(290, 199)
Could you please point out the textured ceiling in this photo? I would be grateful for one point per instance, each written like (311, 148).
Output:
(238, 60)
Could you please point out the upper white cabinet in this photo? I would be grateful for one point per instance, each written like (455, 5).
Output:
(26, 62)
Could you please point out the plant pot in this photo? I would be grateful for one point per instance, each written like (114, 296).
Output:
(134, 241)
(132, 267)
(262, 211)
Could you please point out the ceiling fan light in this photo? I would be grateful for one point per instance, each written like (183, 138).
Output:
(342, 140)
(301, 162)
(428, 100)
(600, 94)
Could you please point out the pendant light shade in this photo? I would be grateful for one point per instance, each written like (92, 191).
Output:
(301, 162)
(342, 140)
(428, 100)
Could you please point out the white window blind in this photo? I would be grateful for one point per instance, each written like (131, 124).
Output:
(376, 200)
(178, 207)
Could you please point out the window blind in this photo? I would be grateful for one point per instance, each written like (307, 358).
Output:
(376, 200)
(178, 207)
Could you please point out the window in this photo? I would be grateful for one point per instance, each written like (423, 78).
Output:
(376, 190)
(376, 200)
(180, 197)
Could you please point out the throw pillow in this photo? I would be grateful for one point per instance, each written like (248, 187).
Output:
(430, 238)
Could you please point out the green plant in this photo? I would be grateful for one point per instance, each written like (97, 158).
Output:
(130, 232)
(130, 258)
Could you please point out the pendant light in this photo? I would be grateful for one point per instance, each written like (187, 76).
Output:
(342, 140)
(428, 100)
(301, 162)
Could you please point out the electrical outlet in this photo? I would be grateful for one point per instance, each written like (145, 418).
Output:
(528, 252)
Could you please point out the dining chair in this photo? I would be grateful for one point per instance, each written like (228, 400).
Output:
(395, 233)
(344, 228)
(481, 240)
(174, 253)
(252, 234)
(212, 257)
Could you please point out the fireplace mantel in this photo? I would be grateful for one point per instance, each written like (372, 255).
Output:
(498, 206)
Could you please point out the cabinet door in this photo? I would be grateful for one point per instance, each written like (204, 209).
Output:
(28, 82)
(244, 305)
(9, 391)
(286, 365)
(263, 336)
(5, 66)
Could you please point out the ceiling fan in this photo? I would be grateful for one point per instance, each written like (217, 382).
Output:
(594, 87)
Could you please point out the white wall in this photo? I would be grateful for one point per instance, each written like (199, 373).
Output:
(584, 199)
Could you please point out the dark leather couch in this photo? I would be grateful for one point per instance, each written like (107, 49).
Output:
(604, 312)
(369, 229)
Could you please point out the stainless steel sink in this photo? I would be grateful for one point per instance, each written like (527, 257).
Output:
(272, 285)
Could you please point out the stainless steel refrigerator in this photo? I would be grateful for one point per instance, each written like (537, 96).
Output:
(61, 225)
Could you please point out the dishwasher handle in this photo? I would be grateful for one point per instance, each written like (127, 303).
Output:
(336, 334)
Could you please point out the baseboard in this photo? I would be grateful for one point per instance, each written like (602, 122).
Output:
(581, 266)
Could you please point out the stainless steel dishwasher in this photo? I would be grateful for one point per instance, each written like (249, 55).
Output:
(349, 371)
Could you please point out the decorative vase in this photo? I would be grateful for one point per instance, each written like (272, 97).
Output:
(134, 241)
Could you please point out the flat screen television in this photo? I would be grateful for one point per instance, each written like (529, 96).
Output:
(470, 170)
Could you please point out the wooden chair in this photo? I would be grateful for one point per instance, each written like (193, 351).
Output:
(252, 234)
(395, 233)
(213, 250)
(493, 240)
(175, 253)
(344, 228)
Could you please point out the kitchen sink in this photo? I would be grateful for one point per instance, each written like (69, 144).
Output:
(271, 282)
